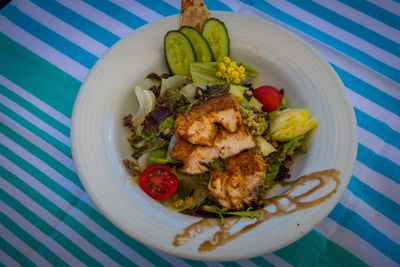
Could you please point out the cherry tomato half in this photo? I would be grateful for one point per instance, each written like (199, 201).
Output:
(269, 97)
(158, 181)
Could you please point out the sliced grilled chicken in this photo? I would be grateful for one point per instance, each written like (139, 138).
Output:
(239, 184)
(229, 144)
(199, 126)
(193, 156)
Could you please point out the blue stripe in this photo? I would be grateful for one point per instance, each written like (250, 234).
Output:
(368, 91)
(377, 128)
(380, 164)
(362, 228)
(74, 19)
(37, 131)
(353, 52)
(37, 152)
(51, 38)
(375, 12)
(117, 13)
(160, 7)
(216, 5)
(34, 110)
(349, 26)
(376, 200)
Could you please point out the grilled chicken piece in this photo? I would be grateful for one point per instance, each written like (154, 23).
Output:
(239, 184)
(230, 144)
(193, 156)
(199, 126)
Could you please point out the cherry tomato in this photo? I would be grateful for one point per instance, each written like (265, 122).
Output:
(158, 181)
(269, 97)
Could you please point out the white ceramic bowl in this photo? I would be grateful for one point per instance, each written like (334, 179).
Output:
(283, 60)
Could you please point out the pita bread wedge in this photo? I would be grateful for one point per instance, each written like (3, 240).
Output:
(194, 13)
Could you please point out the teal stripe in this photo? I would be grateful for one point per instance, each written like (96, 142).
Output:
(378, 128)
(34, 110)
(49, 37)
(315, 250)
(50, 161)
(378, 163)
(194, 263)
(353, 52)
(124, 238)
(117, 13)
(69, 220)
(79, 22)
(16, 59)
(375, 12)
(23, 235)
(368, 91)
(73, 201)
(35, 130)
(46, 229)
(216, 5)
(349, 26)
(260, 261)
(362, 228)
(375, 200)
(13, 252)
(160, 7)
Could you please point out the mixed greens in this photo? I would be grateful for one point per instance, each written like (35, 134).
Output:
(200, 69)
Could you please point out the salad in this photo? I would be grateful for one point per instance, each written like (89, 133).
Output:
(205, 140)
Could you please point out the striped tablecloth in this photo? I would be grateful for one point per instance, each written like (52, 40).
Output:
(47, 48)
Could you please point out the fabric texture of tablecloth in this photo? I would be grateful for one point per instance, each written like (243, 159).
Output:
(47, 47)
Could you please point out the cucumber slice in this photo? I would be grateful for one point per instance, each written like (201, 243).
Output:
(179, 53)
(200, 45)
(217, 36)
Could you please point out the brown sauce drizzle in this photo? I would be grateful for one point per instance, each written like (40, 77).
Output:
(292, 202)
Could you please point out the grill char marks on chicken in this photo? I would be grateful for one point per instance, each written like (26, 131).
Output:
(238, 186)
(199, 127)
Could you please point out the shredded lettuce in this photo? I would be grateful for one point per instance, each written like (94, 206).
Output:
(250, 71)
(172, 83)
(158, 156)
(205, 72)
(167, 125)
(249, 212)
(217, 165)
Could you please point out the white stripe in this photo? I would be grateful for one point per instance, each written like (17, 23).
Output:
(74, 212)
(138, 10)
(174, 3)
(7, 260)
(17, 243)
(41, 166)
(42, 49)
(332, 55)
(246, 263)
(97, 17)
(37, 141)
(353, 243)
(377, 145)
(35, 101)
(374, 110)
(338, 33)
(377, 181)
(67, 31)
(64, 229)
(388, 5)
(34, 120)
(213, 264)
(362, 19)
(276, 260)
(173, 260)
(380, 222)
(35, 233)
